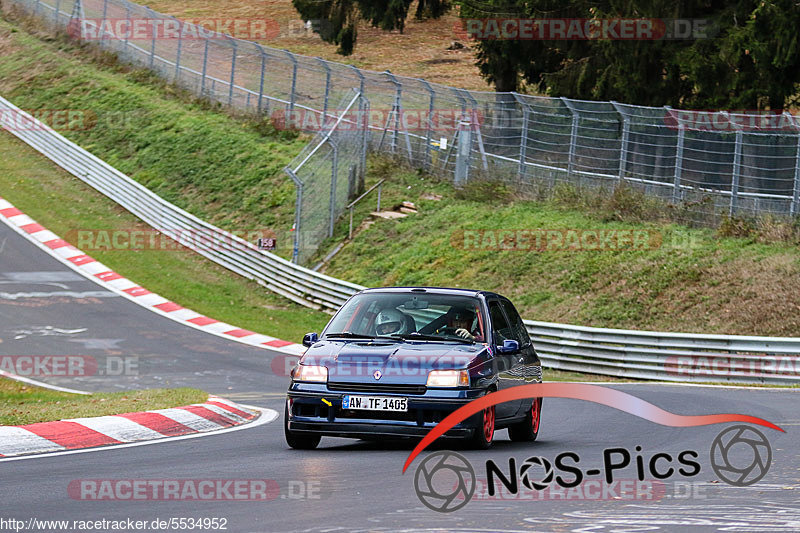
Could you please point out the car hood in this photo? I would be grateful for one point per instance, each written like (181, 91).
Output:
(395, 361)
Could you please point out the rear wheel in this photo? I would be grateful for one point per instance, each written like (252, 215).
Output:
(484, 434)
(298, 441)
(528, 429)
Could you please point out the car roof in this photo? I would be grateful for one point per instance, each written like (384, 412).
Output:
(432, 290)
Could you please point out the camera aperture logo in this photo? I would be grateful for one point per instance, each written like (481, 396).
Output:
(445, 481)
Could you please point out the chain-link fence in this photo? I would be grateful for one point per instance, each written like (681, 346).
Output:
(328, 174)
(709, 163)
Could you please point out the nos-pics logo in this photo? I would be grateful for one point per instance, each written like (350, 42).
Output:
(445, 481)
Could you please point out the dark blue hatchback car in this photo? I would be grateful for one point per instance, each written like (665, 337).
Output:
(395, 361)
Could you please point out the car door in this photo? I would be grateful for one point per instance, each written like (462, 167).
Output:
(509, 369)
(532, 369)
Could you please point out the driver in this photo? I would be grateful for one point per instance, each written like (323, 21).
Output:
(461, 320)
(390, 322)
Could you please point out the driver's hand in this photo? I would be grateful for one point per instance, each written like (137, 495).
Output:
(461, 332)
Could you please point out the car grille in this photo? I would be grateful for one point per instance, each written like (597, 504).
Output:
(399, 388)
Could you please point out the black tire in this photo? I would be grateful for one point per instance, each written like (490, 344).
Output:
(298, 441)
(483, 435)
(528, 429)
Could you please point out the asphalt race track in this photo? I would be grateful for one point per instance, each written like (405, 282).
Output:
(347, 485)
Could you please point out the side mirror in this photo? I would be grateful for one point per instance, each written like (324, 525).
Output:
(309, 339)
(509, 346)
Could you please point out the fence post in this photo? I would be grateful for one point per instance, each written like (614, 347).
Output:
(128, 18)
(523, 142)
(476, 123)
(363, 114)
(396, 110)
(105, 14)
(737, 169)
(57, 13)
(333, 186)
(152, 15)
(234, 48)
(204, 70)
(261, 81)
(327, 89)
(623, 147)
(428, 128)
(178, 53)
(573, 136)
(292, 94)
(463, 152)
(677, 192)
(794, 209)
(36, 7)
(298, 207)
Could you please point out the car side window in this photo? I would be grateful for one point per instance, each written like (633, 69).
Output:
(517, 325)
(500, 327)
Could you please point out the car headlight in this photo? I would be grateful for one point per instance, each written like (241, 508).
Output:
(310, 373)
(448, 378)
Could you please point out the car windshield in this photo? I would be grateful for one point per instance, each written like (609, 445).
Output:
(409, 316)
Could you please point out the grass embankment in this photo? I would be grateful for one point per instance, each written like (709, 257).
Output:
(226, 171)
(213, 165)
(21, 403)
(423, 45)
(693, 281)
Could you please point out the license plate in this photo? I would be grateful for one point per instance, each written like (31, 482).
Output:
(375, 403)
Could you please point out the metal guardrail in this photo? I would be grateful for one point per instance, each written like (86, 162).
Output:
(636, 354)
(299, 284)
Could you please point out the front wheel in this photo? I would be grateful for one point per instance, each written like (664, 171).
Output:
(528, 429)
(484, 434)
(298, 441)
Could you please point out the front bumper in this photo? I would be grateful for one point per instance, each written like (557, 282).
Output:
(309, 414)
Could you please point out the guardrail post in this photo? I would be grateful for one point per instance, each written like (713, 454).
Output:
(292, 94)
(573, 136)
(623, 146)
(523, 142)
(178, 53)
(677, 192)
(234, 48)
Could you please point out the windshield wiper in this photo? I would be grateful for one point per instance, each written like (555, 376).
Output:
(423, 337)
(349, 335)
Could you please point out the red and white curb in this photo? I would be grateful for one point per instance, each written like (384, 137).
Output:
(71, 434)
(107, 278)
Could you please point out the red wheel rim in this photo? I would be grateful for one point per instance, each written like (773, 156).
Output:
(536, 409)
(488, 423)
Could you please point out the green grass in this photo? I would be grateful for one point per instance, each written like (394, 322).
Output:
(693, 281)
(225, 170)
(21, 403)
(63, 203)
